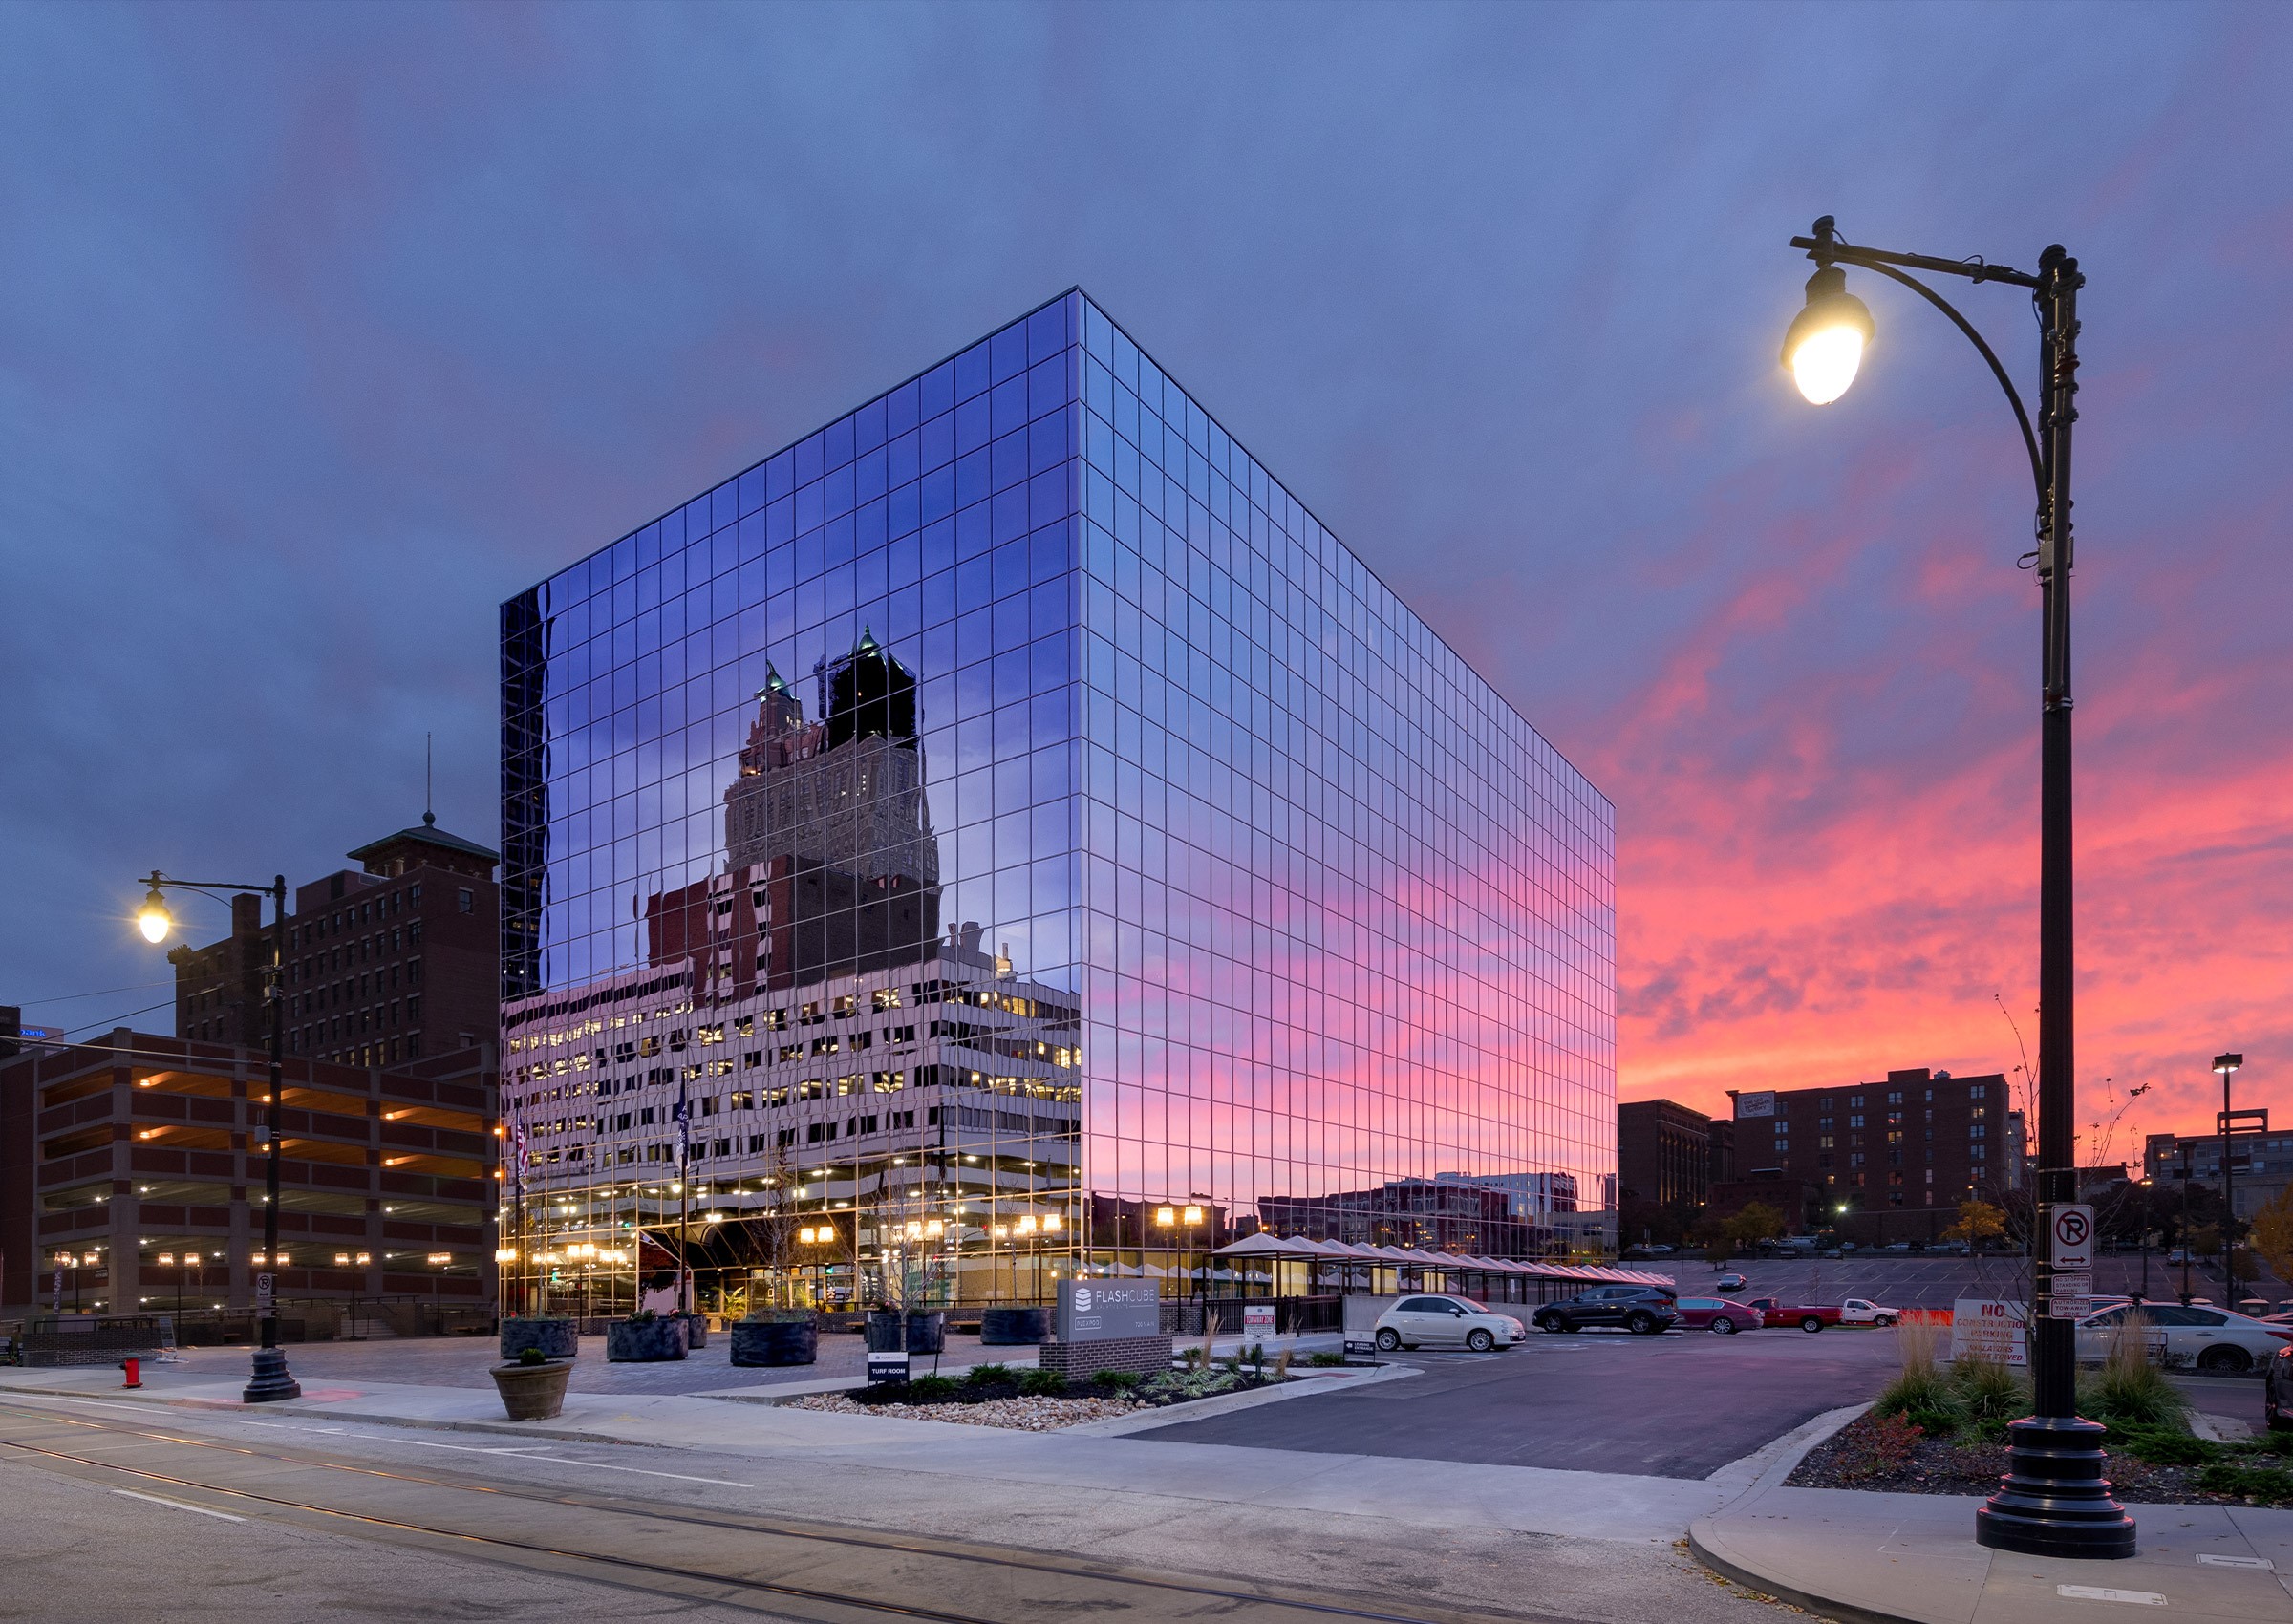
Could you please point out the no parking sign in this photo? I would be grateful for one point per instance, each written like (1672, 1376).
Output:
(2070, 1239)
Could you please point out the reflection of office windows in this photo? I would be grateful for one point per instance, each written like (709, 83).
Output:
(886, 999)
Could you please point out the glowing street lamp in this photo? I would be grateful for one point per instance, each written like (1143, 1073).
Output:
(1825, 344)
(2056, 1502)
(270, 1379)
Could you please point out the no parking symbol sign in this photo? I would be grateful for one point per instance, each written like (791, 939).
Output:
(2070, 1239)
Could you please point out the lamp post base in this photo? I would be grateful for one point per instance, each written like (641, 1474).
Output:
(271, 1381)
(2055, 1502)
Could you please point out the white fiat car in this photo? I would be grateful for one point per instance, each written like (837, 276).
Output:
(1446, 1322)
(2187, 1339)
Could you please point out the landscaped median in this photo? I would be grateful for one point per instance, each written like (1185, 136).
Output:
(1941, 1428)
(1041, 1400)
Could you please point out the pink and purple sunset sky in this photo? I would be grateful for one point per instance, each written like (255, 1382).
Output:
(326, 328)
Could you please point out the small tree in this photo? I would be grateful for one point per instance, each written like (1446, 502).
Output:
(1757, 1221)
(2272, 1237)
(1978, 1224)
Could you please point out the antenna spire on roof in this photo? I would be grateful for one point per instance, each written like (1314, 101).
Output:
(429, 803)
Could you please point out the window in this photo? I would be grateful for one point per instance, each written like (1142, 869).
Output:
(1894, 1097)
(1854, 1121)
(413, 896)
(465, 900)
(818, 1132)
(887, 998)
(1978, 1091)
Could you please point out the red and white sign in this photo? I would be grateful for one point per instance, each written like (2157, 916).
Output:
(1992, 1328)
(2071, 1238)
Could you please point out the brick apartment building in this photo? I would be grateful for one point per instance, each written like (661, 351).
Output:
(124, 1160)
(392, 961)
(1668, 1154)
(1888, 1159)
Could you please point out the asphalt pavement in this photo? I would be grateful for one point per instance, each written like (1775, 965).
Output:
(1680, 1405)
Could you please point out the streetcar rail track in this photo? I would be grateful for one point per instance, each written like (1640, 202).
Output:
(690, 1517)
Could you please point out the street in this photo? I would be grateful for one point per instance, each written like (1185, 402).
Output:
(337, 1521)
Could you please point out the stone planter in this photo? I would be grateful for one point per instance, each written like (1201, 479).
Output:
(558, 1338)
(883, 1331)
(644, 1341)
(775, 1342)
(533, 1392)
(696, 1329)
(1011, 1327)
(927, 1333)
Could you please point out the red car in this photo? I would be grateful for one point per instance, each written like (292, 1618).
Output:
(1716, 1314)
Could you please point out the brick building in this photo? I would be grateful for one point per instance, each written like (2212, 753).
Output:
(124, 1160)
(1664, 1153)
(2260, 1163)
(1898, 1156)
(388, 962)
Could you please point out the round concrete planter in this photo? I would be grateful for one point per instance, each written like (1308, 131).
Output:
(533, 1392)
(558, 1338)
(1011, 1327)
(927, 1333)
(644, 1341)
(775, 1342)
(696, 1329)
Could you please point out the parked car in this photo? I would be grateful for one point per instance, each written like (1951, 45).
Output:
(1644, 1309)
(1447, 1322)
(1808, 1316)
(2179, 1256)
(1731, 1281)
(2277, 1390)
(1715, 1313)
(2210, 1339)
(1861, 1311)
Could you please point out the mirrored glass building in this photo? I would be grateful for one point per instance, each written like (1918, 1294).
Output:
(1004, 833)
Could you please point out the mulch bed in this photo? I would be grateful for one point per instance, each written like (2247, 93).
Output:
(1852, 1459)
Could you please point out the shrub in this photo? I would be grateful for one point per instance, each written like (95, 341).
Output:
(2270, 1485)
(2131, 1397)
(1117, 1380)
(532, 1356)
(932, 1389)
(988, 1375)
(1042, 1383)
(1923, 1393)
(2170, 1448)
(643, 1317)
(1325, 1360)
(1988, 1390)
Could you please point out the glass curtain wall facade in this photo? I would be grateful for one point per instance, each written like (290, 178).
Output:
(1005, 833)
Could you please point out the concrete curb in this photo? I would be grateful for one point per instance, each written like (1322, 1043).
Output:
(1225, 1403)
(1771, 1462)
(1705, 1543)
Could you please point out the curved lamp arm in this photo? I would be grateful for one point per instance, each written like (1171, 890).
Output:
(2038, 468)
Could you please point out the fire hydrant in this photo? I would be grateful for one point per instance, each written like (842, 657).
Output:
(135, 1373)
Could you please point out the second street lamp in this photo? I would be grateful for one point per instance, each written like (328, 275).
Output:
(2054, 1501)
(270, 1379)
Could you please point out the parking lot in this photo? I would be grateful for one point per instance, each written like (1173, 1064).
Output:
(1680, 1405)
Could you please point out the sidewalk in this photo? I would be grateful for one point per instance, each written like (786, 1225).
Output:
(1912, 1558)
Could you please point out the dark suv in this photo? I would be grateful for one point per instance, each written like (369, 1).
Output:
(1643, 1310)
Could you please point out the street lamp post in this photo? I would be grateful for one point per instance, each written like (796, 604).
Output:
(2054, 1501)
(2227, 1065)
(270, 1379)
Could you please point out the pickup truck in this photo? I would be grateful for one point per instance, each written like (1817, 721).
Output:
(1814, 1317)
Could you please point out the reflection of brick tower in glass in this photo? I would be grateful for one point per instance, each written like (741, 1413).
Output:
(831, 865)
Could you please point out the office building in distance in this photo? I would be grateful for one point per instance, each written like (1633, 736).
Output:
(1005, 833)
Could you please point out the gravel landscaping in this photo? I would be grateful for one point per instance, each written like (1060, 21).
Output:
(1025, 1415)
